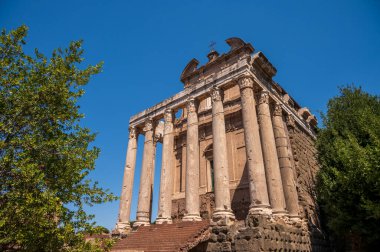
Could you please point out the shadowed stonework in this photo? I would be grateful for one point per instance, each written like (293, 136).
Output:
(240, 154)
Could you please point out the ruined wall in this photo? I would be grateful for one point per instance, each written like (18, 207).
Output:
(261, 233)
(306, 167)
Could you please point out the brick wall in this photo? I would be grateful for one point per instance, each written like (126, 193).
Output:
(304, 156)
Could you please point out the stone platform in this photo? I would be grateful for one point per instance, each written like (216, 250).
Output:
(261, 233)
(257, 233)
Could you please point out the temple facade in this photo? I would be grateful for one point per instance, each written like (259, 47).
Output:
(240, 149)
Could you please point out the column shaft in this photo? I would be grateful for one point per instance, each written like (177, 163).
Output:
(287, 175)
(257, 181)
(123, 224)
(221, 174)
(166, 186)
(192, 165)
(145, 193)
(272, 168)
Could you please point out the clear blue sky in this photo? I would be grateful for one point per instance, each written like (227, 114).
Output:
(145, 45)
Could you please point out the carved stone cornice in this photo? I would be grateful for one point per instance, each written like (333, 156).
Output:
(216, 94)
(245, 82)
(277, 111)
(264, 97)
(312, 120)
(259, 59)
(237, 66)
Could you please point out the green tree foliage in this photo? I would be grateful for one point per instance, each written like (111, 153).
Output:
(349, 154)
(45, 155)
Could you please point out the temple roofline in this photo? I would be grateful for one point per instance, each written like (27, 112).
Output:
(226, 69)
(237, 45)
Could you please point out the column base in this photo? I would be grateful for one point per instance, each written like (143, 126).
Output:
(162, 220)
(295, 218)
(280, 213)
(223, 217)
(122, 229)
(191, 217)
(142, 219)
(260, 210)
(141, 223)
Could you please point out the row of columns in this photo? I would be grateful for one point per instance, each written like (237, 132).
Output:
(271, 182)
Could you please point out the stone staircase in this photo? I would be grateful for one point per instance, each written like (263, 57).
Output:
(180, 236)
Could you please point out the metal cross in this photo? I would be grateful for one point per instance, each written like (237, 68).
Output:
(212, 44)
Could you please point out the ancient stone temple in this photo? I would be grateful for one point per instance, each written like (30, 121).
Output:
(238, 163)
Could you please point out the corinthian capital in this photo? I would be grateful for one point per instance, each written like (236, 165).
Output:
(290, 122)
(277, 110)
(148, 125)
(216, 94)
(245, 82)
(132, 132)
(156, 139)
(168, 115)
(264, 97)
(191, 106)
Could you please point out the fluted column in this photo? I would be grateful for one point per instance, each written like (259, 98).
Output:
(257, 181)
(287, 175)
(166, 186)
(221, 174)
(145, 193)
(155, 140)
(192, 164)
(272, 168)
(123, 224)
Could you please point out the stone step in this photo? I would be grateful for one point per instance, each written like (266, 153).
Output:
(162, 237)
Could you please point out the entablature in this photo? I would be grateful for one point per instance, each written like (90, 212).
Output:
(224, 71)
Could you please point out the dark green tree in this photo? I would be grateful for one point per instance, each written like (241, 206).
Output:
(45, 155)
(349, 180)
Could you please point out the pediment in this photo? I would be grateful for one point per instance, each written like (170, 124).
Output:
(235, 43)
(190, 68)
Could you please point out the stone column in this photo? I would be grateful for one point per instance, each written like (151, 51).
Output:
(272, 168)
(123, 225)
(192, 164)
(223, 210)
(288, 180)
(145, 193)
(256, 171)
(166, 186)
(155, 140)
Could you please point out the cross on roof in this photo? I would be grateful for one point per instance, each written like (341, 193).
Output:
(212, 44)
